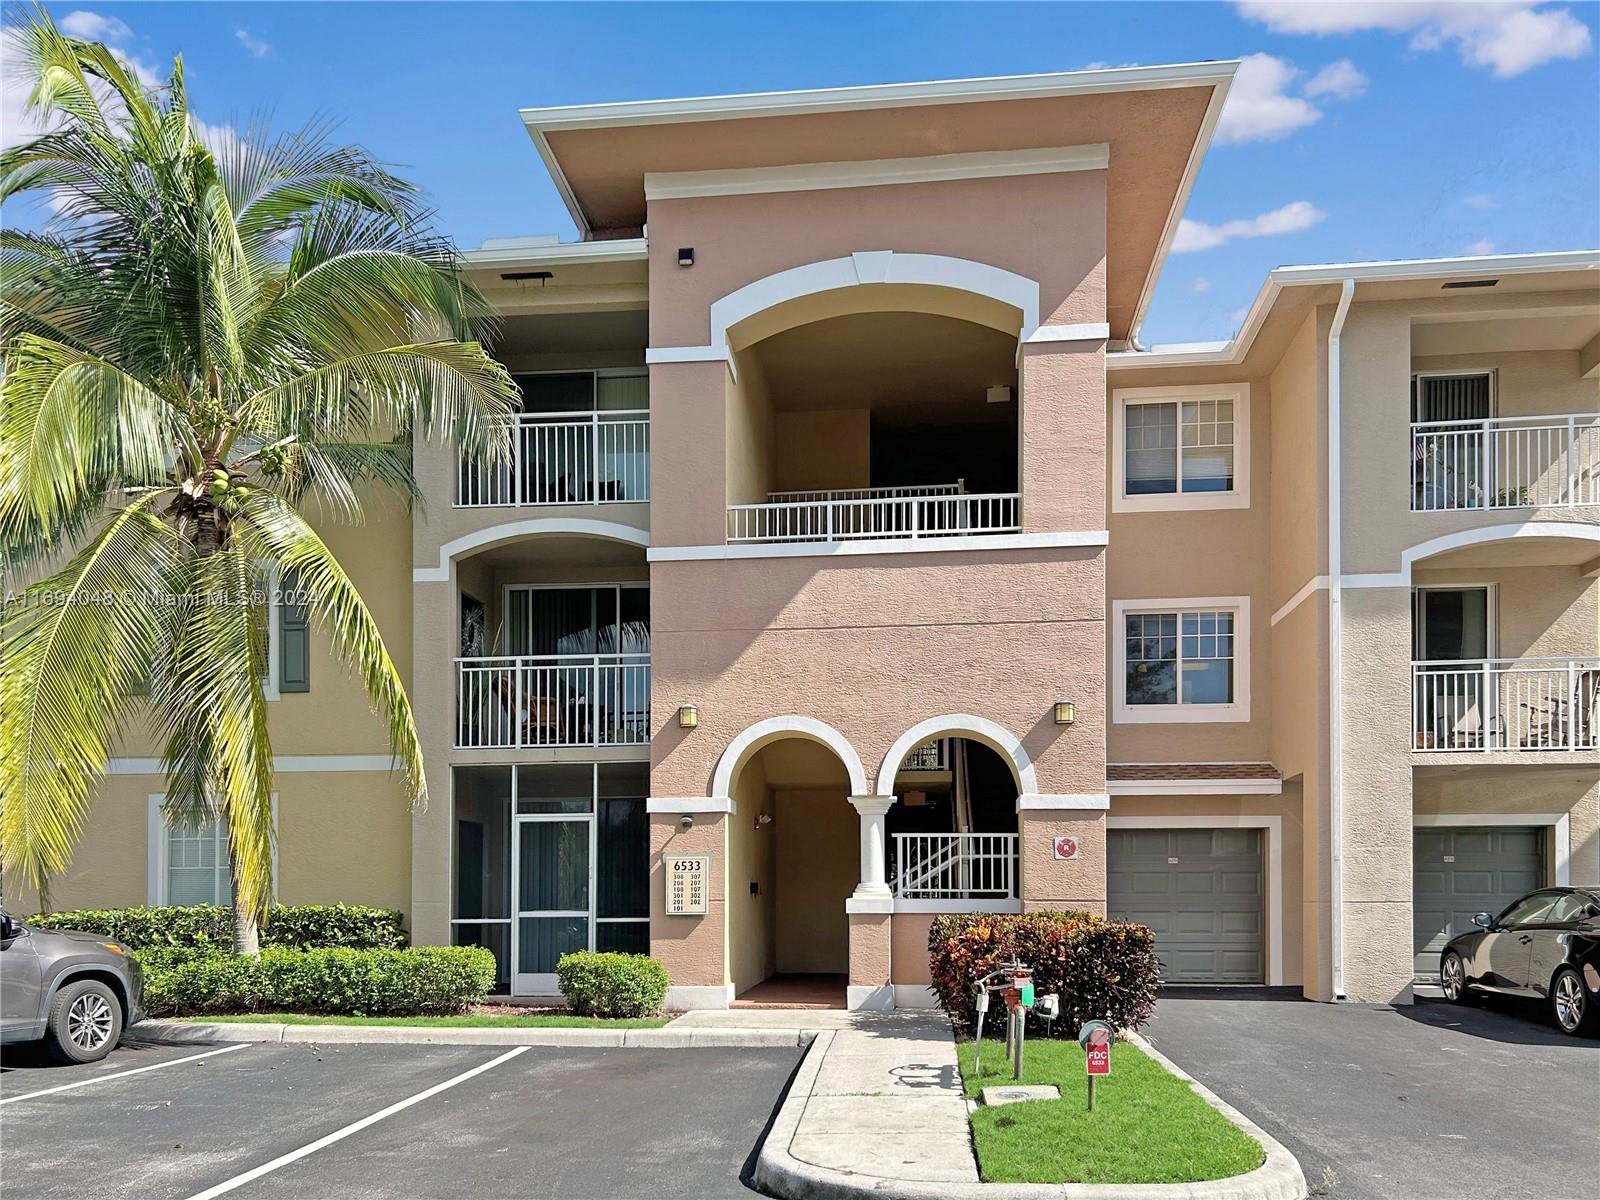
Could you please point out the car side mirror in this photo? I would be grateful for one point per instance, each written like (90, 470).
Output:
(1483, 920)
(10, 927)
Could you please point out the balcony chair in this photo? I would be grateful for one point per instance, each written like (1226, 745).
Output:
(562, 716)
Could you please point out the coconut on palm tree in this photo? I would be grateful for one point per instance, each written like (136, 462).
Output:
(209, 337)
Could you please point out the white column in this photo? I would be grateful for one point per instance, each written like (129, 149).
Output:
(874, 879)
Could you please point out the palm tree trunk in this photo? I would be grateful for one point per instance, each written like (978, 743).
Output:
(246, 928)
(44, 894)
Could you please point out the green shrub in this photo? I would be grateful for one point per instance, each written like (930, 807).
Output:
(611, 985)
(331, 979)
(1105, 970)
(210, 926)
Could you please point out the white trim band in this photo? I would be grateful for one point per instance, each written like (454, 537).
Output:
(1062, 801)
(1195, 787)
(690, 804)
(983, 542)
(1315, 584)
(283, 764)
(1091, 332)
(875, 172)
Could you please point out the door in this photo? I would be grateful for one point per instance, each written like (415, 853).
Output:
(21, 984)
(552, 857)
(1549, 949)
(1201, 891)
(1451, 634)
(1457, 871)
(1506, 952)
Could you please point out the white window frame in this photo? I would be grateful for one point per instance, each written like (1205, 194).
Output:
(1493, 374)
(1180, 713)
(273, 582)
(156, 829)
(1237, 497)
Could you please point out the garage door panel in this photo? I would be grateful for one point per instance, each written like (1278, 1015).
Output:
(1457, 872)
(1206, 909)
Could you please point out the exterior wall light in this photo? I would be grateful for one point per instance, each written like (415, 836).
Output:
(1065, 712)
(688, 716)
(686, 256)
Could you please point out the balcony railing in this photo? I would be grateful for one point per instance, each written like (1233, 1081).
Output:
(565, 458)
(924, 512)
(1506, 462)
(552, 700)
(955, 866)
(1506, 704)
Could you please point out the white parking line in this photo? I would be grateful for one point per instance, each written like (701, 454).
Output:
(171, 1062)
(339, 1135)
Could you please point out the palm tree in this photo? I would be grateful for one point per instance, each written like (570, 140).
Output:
(206, 340)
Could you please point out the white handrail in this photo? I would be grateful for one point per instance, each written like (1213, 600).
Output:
(959, 487)
(600, 457)
(1491, 704)
(955, 866)
(1506, 462)
(520, 701)
(921, 516)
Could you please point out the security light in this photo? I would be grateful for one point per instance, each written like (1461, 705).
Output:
(1065, 712)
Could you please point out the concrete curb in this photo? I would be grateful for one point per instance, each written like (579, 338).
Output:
(184, 1033)
(780, 1173)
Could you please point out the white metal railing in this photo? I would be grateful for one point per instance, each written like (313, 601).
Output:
(1506, 462)
(955, 866)
(565, 458)
(930, 756)
(872, 493)
(1506, 704)
(915, 516)
(552, 700)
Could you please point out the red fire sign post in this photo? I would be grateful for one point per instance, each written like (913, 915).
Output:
(1096, 1037)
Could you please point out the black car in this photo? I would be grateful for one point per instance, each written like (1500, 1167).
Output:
(1546, 944)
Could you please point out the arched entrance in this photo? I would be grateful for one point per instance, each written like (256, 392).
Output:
(792, 862)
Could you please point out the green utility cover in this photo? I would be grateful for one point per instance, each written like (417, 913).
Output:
(1027, 995)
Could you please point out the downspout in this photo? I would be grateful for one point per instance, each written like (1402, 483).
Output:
(1336, 637)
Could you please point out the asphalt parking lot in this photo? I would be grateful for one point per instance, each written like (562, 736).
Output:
(1421, 1102)
(263, 1120)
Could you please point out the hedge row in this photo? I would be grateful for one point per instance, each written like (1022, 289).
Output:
(598, 984)
(210, 926)
(425, 980)
(1105, 970)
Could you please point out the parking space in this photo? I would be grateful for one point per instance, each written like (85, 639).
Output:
(1427, 1101)
(364, 1120)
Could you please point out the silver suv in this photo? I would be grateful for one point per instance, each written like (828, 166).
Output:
(77, 990)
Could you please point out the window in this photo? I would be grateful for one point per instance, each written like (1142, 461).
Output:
(1181, 447)
(188, 864)
(1530, 910)
(1182, 660)
(1573, 906)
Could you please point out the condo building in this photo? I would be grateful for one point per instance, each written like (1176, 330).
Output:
(856, 563)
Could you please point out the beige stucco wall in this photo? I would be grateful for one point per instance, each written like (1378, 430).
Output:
(818, 866)
(908, 958)
(752, 858)
(747, 443)
(830, 448)
(693, 949)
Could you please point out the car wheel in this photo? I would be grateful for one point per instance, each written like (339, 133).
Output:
(1453, 978)
(85, 1021)
(1570, 1004)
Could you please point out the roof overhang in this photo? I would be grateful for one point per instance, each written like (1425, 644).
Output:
(1401, 279)
(599, 154)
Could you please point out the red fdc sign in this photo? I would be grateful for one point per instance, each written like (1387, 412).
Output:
(1097, 1054)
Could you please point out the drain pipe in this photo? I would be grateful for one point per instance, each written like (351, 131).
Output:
(1336, 636)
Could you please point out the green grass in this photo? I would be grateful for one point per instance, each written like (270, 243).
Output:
(1148, 1126)
(465, 1021)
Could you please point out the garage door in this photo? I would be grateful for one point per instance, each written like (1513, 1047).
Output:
(1461, 870)
(1200, 890)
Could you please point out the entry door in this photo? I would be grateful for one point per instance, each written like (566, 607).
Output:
(553, 859)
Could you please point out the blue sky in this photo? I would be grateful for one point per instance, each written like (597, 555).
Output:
(1356, 130)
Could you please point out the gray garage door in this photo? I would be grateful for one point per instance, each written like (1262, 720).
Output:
(1200, 890)
(1460, 870)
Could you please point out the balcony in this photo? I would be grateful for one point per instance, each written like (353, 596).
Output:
(600, 457)
(1506, 462)
(1526, 704)
(954, 866)
(853, 514)
(552, 700)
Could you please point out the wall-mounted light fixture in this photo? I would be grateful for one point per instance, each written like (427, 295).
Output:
(763, 819)
(686, 256)
(688, 716)
(1066, 712)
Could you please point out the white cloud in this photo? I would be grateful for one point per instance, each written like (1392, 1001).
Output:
(1506, 36)
(1482, 200)
(1481, 246)
(92, 27)
(1341, 81)
(1201, 284)
(256, 47)
(1291, 218)
(1238, 315)
(1259, 108)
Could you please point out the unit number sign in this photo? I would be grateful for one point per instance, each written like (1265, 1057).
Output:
(688, 883)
